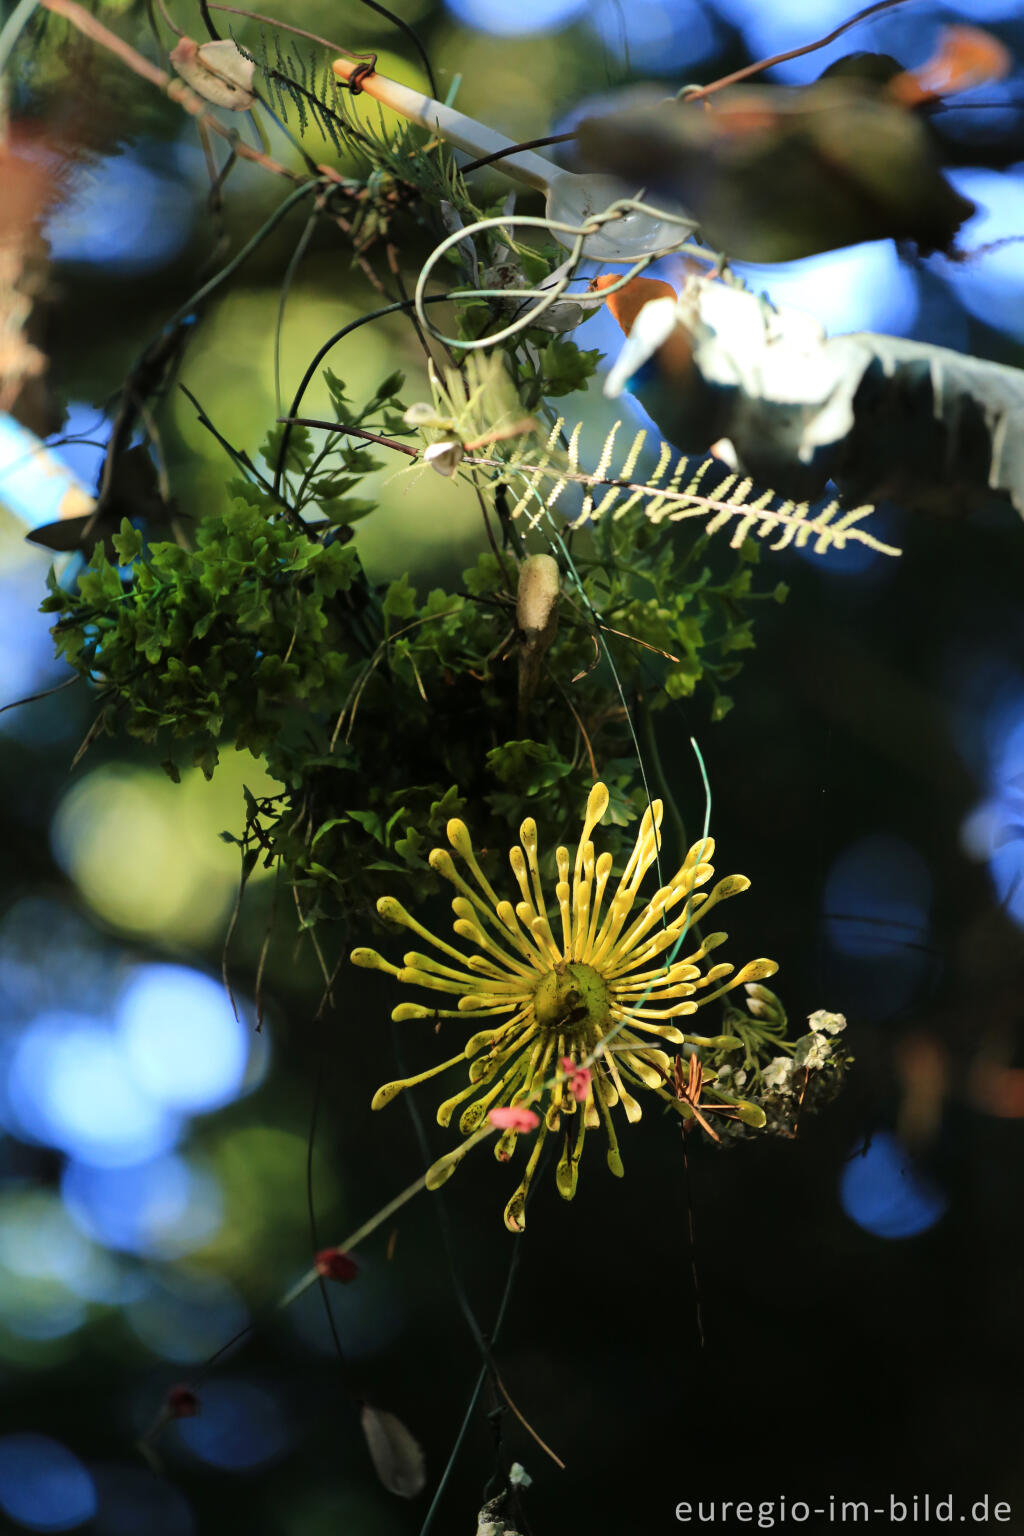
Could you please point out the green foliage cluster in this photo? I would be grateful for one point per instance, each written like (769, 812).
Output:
(384, 711)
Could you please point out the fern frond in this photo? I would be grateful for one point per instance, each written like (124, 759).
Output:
(672, 492)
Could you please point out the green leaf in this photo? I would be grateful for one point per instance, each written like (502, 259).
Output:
(527, 766)
(127, 543)
(370, 822)
(484, 577)
(409, 845)
(327, 826)
(400, 599)
(391, 387)
(206, 757)
(565, 368)
(336, 390)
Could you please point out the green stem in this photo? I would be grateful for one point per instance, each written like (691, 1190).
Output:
(674, 814)
(375, 1221)
(243, 255)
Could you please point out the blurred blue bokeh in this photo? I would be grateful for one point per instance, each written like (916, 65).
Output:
(122, 214)
(860, 288)
(988, 282)
(185, 1315)
(69, 1086)
(523, 17)
(885, 880)
(875, 909)
(134, 1501)
(183, 1042)
(43, 1486)
(241, 1427)
(163, 1207)
(27, 661)
(82, 441)
(658, 36)
(882, 1191)
(994, 832)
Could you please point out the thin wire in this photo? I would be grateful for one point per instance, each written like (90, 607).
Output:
(517, 1248)
(321, 353)
(184, 310)
(684, 1126)
(286, 26)
(514, 149)
(311, 1205)
(326, 42)
(286, 284)
(580, 234)
(410, 33)
(603, 643)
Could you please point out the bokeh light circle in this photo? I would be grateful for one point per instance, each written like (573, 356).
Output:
(882, 1192)
(163, 1208)
(510, 20)
(657, 36)
(186, 1315)
(241, 1427)
(183, 1043)
(134, 1501)
(43, 1485)
(69, 1086)
(123, 215)
(877, 896)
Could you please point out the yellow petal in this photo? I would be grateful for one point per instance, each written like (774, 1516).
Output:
(369, 960)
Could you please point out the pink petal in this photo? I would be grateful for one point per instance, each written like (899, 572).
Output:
(579, 1079)
(510, 1119)
(579, 1084)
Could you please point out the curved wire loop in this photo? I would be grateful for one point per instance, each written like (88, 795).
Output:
(546, 297)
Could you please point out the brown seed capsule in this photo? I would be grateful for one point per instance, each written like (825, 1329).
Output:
(537, 601)
(217, 71)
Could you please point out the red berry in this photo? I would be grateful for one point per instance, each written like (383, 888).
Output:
(182, 1403)
(333, 1264)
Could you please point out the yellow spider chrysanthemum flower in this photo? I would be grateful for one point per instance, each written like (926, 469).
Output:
(577, 1004)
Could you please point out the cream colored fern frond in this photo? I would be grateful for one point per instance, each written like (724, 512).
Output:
(540, 474)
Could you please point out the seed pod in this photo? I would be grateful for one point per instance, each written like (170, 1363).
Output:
(422, 414)
(217, 71)
(445, 458)
(537, 600)
(396, 1456)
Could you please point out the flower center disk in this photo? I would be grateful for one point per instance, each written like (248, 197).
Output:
(572, 1000)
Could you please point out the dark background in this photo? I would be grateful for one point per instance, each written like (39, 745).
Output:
(859, 1286)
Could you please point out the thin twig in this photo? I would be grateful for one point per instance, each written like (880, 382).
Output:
(321, 353)
(524, 1422)
(176, 89)
(30, 698)
(286, 26)
(334, 426)
(793, 53)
